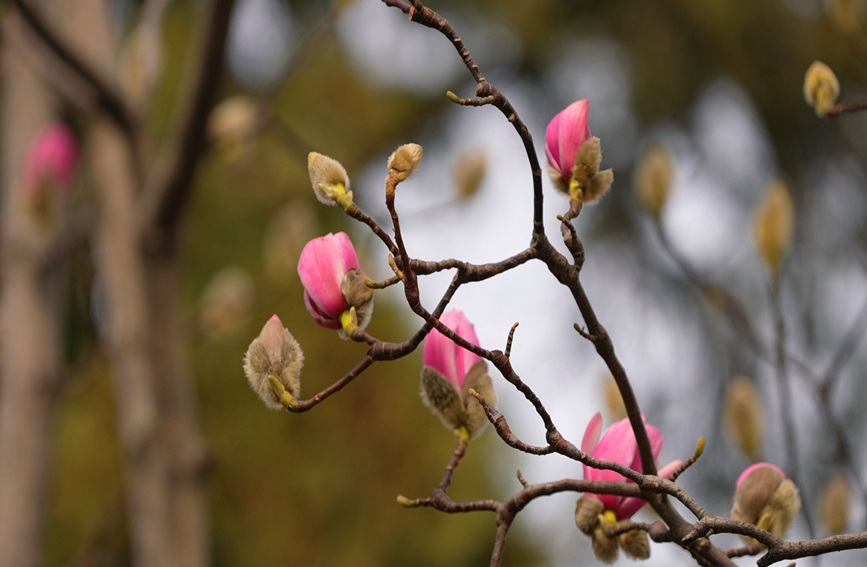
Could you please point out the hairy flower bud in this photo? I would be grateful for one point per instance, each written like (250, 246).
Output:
(652, 178)
(469, 172)
(231, 126)
(274, 353)
(821, 88)
(743, 416)
(634, 543)
(587, 511)
(765, 498)
(834, 503)
(328, 177)
(448, 374)
(333, 283)
(404, 160)
(773, 225)
(226, 303)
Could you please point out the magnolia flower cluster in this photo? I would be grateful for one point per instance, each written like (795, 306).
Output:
(595, 514)
(574, 155)
(448, 374)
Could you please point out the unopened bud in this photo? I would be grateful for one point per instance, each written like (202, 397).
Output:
(774, 224)
(652, 178)
(743, 416)
(587, 511)
(231, 126)
(357, 295)
(821, 88)
(469, 172)
(453, 404)
(766, 498)
(847, 15)
(614, 399)
(586, 175)
(604, 547)
(634, 543)
(834, 503)
(226, 303)
(328, 177)
(404, 160)
(274, 353)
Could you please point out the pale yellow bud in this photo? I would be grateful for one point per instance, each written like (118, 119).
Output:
(652, 178)
(614, 400)
(835, 502)
(289, 229)
(469, 172)
(328, 178)
(634, 543)
(231, 125)
(226, 303)
(404, 160)
(743, 416)
(604, 547)
(774, 224)
(821, 88)
(274, 355)
(587, 512)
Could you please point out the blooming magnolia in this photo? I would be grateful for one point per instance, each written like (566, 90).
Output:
(574, 155)
(765, 498)
(50, 162)
(450, 371)
(333, 282)
(595, 513)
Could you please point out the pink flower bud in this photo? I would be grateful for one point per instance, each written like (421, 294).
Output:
(444, 356)
(50, 161)
(328, 268)
(565, 135)
(766, 498)
(618, 444)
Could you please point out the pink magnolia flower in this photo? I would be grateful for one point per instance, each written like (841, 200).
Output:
(446, 357)
(328, 268)
(565, 135)
(50, 161)
(618, 444)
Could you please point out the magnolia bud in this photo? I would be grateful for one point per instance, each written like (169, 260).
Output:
(635, 543)
(774, 224)
(328, 177)
(274, 353)
(652, 178)
(847, 15)
(469, 172)
(226, 303)
(834, 503)
(587, 511)
(231, 125)
(743, 416)
(604, 547)
(357, 295)
(821, 88)
(404, 160)
(614, 399)
(766, 498)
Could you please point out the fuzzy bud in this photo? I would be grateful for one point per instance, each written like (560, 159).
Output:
(592, 182)
(604, 546)
(328, 177)
(821, 88)
(652, 178)
(847, 15)
(404, 160)
(773, 225)
(765, 498)
(743, 416)
(614, 399)
(274, 353)
(834, 503)
(587, 511)
(226, 303)
(469, 172)
(231, 125)
(634, 543)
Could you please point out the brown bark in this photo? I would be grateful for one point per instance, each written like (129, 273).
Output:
(30, 349)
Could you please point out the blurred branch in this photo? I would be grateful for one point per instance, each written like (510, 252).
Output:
(169, 186)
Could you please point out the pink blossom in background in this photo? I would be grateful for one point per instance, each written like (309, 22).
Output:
(444, 356)
(50, 160)
(321, 267)
(565, 135)
(618, 444)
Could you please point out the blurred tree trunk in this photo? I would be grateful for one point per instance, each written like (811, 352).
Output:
(30, 349)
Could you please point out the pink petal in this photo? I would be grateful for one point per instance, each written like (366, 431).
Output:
(668, 470)
(321, 266)
(316, 313)
(52, 156)
(444, 356)
(565, 135)
(752, 468)
(629, 507)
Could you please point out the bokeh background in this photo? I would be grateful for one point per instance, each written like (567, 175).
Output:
(718, 82)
